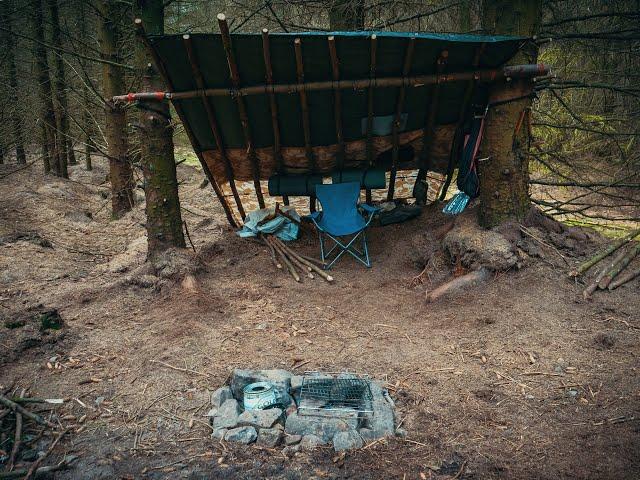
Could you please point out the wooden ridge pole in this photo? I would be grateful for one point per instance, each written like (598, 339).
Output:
(408, 58)
(213, 123)
(424, 161)
(192, 138)
(370, 98)
(306, 127)
(337, 99)
(242, 111)
(418, 81)
(458, 137)
(273, 106)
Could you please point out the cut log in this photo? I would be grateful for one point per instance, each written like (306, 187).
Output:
(465, 281)
(619, 266)
(604, 253)
(594, 286)
(622, 279)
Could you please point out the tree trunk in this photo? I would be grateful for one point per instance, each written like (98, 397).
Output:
(120, 171)
(87, 120)
(346, 15)
(47, 115)
(62, 121)
(504, 176)
(10, 59)
(164, 221)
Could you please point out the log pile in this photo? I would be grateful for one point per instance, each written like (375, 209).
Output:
(22, 431)
(298, 265)
(609, 278)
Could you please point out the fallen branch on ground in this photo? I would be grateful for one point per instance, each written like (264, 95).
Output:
(468, 280)
(621, 280)
(26, 413)
(604, 253)
(619, 266)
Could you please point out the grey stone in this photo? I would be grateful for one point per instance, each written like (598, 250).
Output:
(367, 434)
(347, 441)
(220, 396)
(244, 435)
(260, 418)
(323, 427)
(269, 437)
(382, 422)
(219, 433)
(291, 450)
(227, 416)
(292, 439)
(281, 379)
(211, 413)
(310, 442)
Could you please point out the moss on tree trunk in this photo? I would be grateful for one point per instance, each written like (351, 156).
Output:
(504, 176)
(164, 220)
(120, 172)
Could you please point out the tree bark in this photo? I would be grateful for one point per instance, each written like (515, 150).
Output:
(62, 121)
(10, 59)
(87, 120)
(504, 176)
(47, 115)
(346, 15)
(120, 171)
(164, 221)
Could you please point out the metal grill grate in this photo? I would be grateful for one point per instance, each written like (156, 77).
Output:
(342, 395)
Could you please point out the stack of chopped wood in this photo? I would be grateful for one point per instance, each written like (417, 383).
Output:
(20, 431)
(609, 277)
(296, 264)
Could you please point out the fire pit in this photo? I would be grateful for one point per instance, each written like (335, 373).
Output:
(302, 412)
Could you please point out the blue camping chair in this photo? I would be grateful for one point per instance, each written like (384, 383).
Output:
(339, 219)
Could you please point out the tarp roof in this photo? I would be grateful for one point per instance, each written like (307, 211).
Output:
(354, 60)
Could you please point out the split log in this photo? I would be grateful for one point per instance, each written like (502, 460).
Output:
(604, 253)
(586, 293)
(627, 277)
(469, 280)
(619, 266)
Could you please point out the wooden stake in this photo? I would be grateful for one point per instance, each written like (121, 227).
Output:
(586, 293)
(604, 253)
(242, 111)
(315, 268)
(213, 123)
(408, 58)
(428, 133)
(370, 98)
(285, 259)
(192, 138)
(337, 100)
(273, 107)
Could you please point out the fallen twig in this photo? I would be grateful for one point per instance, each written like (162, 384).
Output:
(40, 471)
(17, 408)
(16, 441)
(36, 464)
(186, 370)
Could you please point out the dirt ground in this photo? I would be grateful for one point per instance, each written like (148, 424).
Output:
(518, 378)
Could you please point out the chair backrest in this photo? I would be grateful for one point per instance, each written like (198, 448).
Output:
(339, 199)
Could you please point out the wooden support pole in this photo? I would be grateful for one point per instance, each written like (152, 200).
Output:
(337, 99)
(424, 161)
(458, 137)
(370, 98)
(273, 106)
(242, 110)
(192, 138)
(213, 123)
(304, 107)
(408, 58)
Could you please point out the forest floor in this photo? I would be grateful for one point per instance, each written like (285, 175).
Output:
(518, 378)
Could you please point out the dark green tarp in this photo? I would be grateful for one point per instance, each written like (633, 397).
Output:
(353, 54)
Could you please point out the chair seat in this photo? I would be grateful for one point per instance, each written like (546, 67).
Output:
(346, 225)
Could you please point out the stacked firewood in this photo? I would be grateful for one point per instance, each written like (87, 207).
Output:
(297, 264)
(611, 274)
(20, 431)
